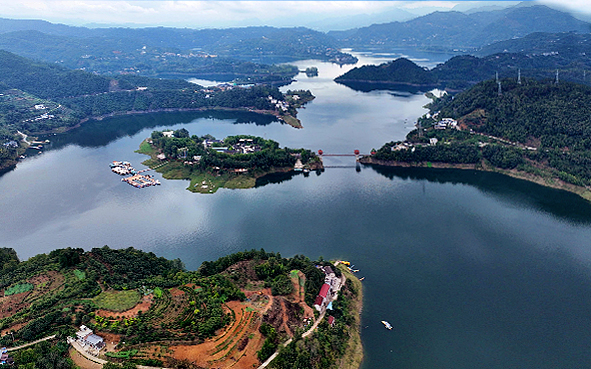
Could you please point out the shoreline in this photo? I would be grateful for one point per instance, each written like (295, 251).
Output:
(296, 123)
(182, 110)
(355, 353)
(550, 182)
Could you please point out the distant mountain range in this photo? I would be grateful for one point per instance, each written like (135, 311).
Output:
(456, 30)
(567, 45)
(27, 37)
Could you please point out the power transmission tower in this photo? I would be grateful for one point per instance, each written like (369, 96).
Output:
(420, 127)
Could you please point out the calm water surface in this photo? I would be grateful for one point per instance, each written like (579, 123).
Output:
(473, 270)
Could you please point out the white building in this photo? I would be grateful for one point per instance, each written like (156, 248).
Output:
(86, 338)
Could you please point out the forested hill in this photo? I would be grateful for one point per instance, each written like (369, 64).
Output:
(461, 72)
(455, 30)
(566, 44)
(46, 80)
(400, 70)
(540, 113)
(50, 81)
(244, 304)
(536, 130)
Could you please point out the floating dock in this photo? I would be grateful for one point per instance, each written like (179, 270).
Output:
(141, 181)
(136, 178)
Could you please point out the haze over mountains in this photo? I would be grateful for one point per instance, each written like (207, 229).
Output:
(457, 30)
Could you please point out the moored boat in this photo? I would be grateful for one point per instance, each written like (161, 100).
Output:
(387, 325)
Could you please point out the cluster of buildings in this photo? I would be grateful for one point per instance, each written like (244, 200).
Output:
(10, 144)
(43, 117)
(328, 292)
(280, 105)
(446, 123)
(243, 146)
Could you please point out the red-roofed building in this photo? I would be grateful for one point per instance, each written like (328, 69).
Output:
(318, 301)
(323, 297)
(331, 320)
(324, 290)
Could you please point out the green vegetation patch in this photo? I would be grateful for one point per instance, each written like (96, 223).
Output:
(18, 288)
(117, 300)
(146, 148)
(122, 354)
(80, 274)
(158, 292)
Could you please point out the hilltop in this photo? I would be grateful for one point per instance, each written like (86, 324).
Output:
(151, 311)
(400, 70)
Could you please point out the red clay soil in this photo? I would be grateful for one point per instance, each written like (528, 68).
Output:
(299, 294)
(176, 292)
(222, 350)
(143, 306)
(10, 305)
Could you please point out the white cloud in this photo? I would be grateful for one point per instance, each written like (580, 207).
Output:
(202, 14)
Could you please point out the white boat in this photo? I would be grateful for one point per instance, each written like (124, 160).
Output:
(386, 324)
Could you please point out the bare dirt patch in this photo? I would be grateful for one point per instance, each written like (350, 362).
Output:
(83, 362)
(43, 283)
(235, 346)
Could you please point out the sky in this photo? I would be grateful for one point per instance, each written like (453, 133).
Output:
(320, 15)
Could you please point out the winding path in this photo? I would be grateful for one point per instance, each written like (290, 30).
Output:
(30, 343)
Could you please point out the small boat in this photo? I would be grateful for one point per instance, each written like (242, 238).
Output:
(362, 278)
(387, 325)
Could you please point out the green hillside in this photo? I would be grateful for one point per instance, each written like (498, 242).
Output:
(538, 129)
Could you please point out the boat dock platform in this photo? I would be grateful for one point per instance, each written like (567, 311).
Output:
(141, 181)
(136, 178)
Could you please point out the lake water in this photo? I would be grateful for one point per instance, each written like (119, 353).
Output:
(473, 270)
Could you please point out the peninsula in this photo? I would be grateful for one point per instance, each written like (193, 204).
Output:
(533, 130)
(235, 162)
(128, 307)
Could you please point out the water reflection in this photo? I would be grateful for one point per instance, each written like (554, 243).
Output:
(277, 178)
(519, 193)
(400, 90)
(101, 133)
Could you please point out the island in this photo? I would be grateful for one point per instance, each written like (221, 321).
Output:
(210, 164)
(122, 308)
(534, 130)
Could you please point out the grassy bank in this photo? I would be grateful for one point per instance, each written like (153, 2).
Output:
(354, 353)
